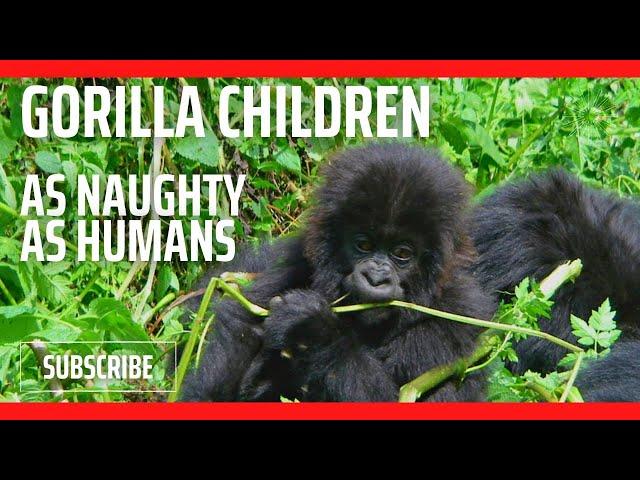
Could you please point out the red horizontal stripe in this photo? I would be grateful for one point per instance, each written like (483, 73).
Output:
(318, 411)
(320, 68)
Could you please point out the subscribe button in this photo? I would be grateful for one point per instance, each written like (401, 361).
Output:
(133, 364)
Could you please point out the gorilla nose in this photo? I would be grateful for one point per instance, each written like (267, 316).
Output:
(377, 277)
(374, 282)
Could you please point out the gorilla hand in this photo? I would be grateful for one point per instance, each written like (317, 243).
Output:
(299, 319)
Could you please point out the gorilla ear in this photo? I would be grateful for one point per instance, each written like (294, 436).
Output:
(318, 238)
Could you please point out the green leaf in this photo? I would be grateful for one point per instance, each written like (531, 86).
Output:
(550, 382)
(10, 249)
(116, 320)
(172, 327)
(104, 308)
(11, 311)
(522, 290)
(574, 395)
(529, 92)
(615, 335)
(48, 162)
(484, 140)
(603, 318)
(568, 361)
(453, 132)
(604, 339)
(7, 193)
(14, 96)
(166, 279)
(262, 183)
(284, 399)
(202, 150)
(14, 280)
(288, 158)
(6, 144)
(581, 329)
(632, 115)
(70, 171)
(55, 268)
(6, 352)
(607, 339)
(16, 328)
(54, 288)
(58, 332)
(269, 167)
(511, 355)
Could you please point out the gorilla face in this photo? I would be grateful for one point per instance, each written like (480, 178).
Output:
(379, 268)
(384, 226)
(380, 264)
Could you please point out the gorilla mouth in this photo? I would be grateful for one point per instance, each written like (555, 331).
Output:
(364, 289)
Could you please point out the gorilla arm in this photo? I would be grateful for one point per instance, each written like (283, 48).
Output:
(235, 340)
(331, 364)
(328, 361)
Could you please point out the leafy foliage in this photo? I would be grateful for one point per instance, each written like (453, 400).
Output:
(598, 334)
(491, 128)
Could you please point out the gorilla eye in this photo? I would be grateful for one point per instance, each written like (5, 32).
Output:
(402, 252)
(364, 245)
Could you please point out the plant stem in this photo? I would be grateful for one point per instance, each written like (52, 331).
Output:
(493, 103)
(168, 298)
(155, 169)
(557, 278)
(411, 391)
(461, 319)
(495, 354)
(263, 312)
(563, 273)
(242, 300)
(71, 246)
(572, 378)
(191, 341)
(135, 268)
(82, 294)
(203, 336)
(540, 390)
(40, 351)
(560, 275)
(7, 293)
(531, 138)
(8, 210)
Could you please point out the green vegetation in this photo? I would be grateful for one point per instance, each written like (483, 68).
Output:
(493, 129)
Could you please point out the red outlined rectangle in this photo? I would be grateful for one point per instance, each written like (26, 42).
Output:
(319, 411)
(320, 68)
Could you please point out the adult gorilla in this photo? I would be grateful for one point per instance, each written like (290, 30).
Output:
(388, 223)
(527, 228)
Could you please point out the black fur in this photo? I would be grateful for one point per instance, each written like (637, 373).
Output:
(529, 227)
(303, 350)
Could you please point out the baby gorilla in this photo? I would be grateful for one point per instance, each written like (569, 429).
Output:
(389, 222)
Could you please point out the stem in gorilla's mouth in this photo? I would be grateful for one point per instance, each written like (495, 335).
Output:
(461, 319)
(563, 273)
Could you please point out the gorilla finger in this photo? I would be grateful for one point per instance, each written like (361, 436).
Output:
(276, 302)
